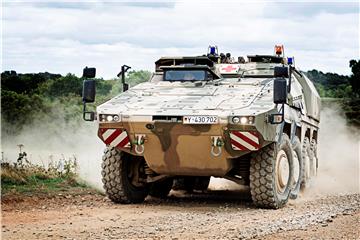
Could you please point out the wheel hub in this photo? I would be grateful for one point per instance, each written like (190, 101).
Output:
(282, 171)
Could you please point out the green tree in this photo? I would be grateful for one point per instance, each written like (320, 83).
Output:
(330, 84)
(132, 78)
(28, 83)
(69, 84)
(136, 77)
(355, 77)
(103, 87)
(18, 109)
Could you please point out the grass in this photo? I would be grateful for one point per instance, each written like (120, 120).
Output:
(34, 184)
(30, 179)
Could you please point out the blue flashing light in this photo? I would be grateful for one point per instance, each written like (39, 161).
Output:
(290, 60)
(212, 50)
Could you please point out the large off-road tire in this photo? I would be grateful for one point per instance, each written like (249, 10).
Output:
(313, 158)
(271, 171)
(298, 168)
(162, 188)
(118, 176)
(306, 156)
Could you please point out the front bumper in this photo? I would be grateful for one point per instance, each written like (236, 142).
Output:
(182, 149)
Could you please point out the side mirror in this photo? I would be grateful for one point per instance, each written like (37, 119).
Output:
(280, 90)
(89, 72)
(88, 93)
(281, 72)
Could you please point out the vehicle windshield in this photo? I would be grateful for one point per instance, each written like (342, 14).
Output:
(257, 72)
(265, 59)
(185, 75)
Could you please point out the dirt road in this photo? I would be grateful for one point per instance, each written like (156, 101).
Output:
(211, 215)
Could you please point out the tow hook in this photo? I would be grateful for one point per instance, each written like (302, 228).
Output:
(217, 142)
(139, 143)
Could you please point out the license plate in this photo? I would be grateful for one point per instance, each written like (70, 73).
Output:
(200, 119)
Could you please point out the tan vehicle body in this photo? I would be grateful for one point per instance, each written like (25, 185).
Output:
(184, 149)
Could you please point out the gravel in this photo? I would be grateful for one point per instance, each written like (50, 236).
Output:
(196, 216)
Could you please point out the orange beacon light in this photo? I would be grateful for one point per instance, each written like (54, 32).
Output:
(279, 49)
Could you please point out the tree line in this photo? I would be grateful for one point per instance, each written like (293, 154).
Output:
(332, 85)
(29, 97)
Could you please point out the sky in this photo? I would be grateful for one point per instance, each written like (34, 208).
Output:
(64, 37)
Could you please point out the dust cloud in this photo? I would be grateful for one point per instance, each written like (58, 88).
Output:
(45, 143)
(338, 152)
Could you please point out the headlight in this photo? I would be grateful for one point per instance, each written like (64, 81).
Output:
(251, 119)
(243, 120)
(236, 120)
(109, 118)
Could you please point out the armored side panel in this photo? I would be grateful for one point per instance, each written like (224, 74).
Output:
(312, 98)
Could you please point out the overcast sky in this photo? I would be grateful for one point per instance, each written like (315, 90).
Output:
(62, 37)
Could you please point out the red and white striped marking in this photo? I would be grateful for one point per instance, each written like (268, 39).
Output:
(244, 140)
(115, 137)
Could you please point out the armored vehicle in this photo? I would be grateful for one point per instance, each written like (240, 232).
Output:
(252, 121)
